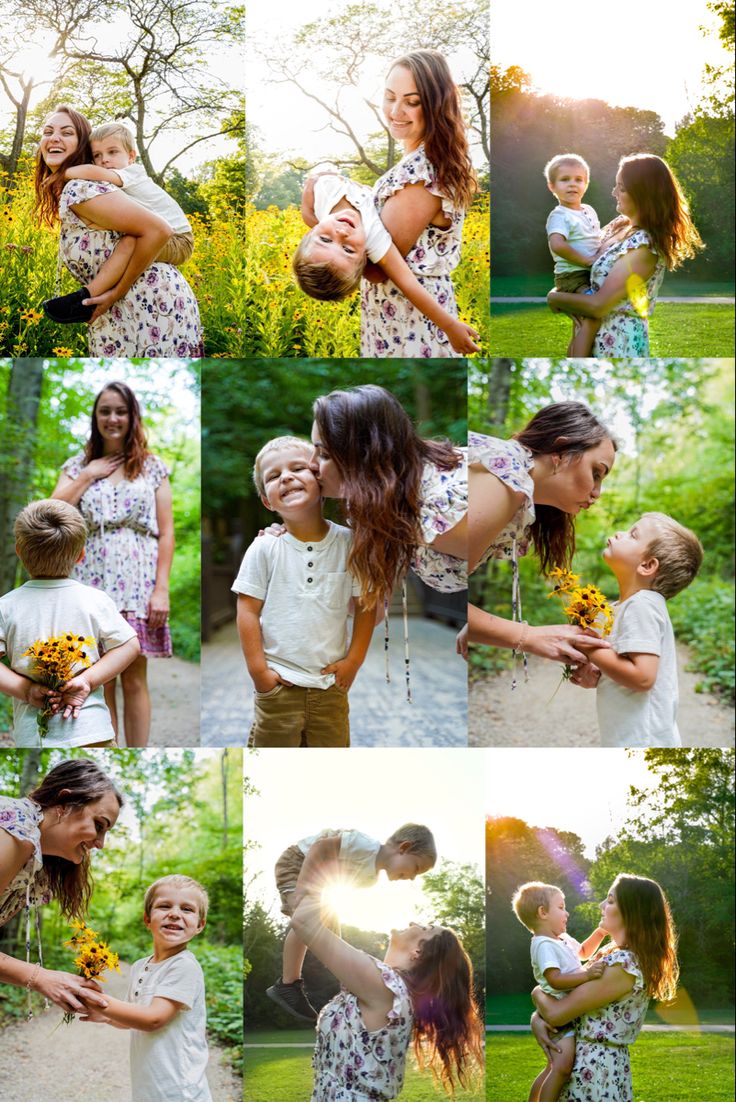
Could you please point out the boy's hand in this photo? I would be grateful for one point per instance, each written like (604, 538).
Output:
(37, 695)
(586, 676)
(268, 680)
(461, 337)
(345, 672)
(73, 695)
(595, 970)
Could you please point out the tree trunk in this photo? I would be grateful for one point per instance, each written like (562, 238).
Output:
(499, 391)
(31, 768)
(9, 161)
(223, 773)
(16, 457)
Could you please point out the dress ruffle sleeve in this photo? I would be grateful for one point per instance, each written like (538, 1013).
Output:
(20, 819)
(444, 499)
(155, 470)
(79, 191)
(74, 465)
(629, 963)
(401, 1005)
(415, 169)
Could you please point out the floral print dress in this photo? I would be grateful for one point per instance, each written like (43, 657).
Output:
(121, 552)
(443, 504)
(158, 316)
(29, 887)
(625, 331)
(353, 1064)
(602, 1071)
(389, 325)
(511, 463)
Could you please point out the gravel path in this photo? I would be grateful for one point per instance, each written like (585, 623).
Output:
(83, 1063)
(529, 716)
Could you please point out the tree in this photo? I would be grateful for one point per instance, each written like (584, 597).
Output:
(16, 458)
(457, 897)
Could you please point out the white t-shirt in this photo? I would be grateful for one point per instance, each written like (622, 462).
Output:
(641, 625)
(554, 952)
(46, 607)
(357, 856)
(169, 1065)
(329, 190)
(306, 591)
(580, 228)
(139, 186)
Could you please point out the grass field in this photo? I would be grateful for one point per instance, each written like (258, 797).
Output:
(523, 329)
(516, 1010)
(675, 283)
(285, 1075)
(670, 1067)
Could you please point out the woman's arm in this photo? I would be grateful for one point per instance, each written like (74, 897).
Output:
(158, 605)
(406, 216)
(115, 211)
(492, 504)
(555, 641)
(14, 853)
(454, 541)
(613, 985)
(398, 271)
(640, 263)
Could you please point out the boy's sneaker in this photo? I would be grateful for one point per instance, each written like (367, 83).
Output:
(291, 997)
(68, 308)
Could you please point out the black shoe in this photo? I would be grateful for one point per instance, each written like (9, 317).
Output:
(68, 308)
(292, 998)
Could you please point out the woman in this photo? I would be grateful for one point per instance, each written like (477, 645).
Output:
(422, 990)
(653, 233)
(528, 491)
(609, 1013)
(124, 495)
(45, 844)
(422, 202)
(152, 311)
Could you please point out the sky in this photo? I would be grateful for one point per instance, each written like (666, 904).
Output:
(580, 790)
(374, 793)
(636, 53)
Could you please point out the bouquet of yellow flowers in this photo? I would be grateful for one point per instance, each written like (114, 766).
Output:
(586, 606)
(93, 957)
(55, 661)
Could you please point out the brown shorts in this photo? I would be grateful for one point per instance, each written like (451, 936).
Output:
(289, 715)
(177, 249)
(573, 283)
(288, 867)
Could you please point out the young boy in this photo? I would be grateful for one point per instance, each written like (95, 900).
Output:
(346, 232)
(114, 154)
(294, 595)
(165, 1006)
(637, 690)
(556, 965)
(49, 540)
(345, 855)
(574, 236)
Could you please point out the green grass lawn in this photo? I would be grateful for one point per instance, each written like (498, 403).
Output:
(285, 1075)
(519, 329)
(674, 284)
(516, 1010)
(666, 1067)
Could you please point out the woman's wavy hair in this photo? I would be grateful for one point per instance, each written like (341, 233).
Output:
(72, 785)
(135, 447)
(650, 933)
(380, 459)
(662, 209)
(445, 138)
(49, 185)
(448, 1032)
(569, 429)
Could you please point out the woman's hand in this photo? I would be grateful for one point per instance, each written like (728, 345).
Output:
(103, 467)
(559, 642)
(544, 1035)
(102, 303)
(65, 990)
(274, 529)
(461, 337)
(158, 607)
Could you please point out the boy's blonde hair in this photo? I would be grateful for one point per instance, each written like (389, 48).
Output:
(114, 130)
(678, 551)
(177, 881)
(529, 898)
(49, 537)
(274, 445)
(320, 280)
(421, 839)
(553, 167)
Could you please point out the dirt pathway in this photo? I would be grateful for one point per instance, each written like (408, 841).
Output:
(530, 716)
(83, 1063)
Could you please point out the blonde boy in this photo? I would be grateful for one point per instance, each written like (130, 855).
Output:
(556, 966)
(165, 1005)
(637, 691)
(294, 596)
(49, 540)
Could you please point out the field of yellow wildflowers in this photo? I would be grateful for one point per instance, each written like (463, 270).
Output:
(28, 257)
(281, 321)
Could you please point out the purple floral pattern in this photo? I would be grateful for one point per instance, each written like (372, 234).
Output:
(510, 462)
(602, 1071)
(623, 332)
(21, 819)
(443, 503)
(158, 316)
(390, 326)
(353, 1064)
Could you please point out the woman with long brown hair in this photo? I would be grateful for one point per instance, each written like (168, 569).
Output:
(46, 839)
(653, 233)
(124, 495)
(152, 310)
(421, 992)
(422, 201)
(526, 492)
(641, 963)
